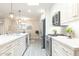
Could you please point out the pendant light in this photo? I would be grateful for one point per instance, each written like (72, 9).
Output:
(19, 16)
(11, 12)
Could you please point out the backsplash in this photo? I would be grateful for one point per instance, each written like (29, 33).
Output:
(57, 28)
(75, 27)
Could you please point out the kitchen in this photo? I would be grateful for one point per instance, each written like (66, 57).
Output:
(51, 30)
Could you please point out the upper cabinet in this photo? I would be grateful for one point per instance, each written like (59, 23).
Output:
(74, 10)
(77, 9)
(69, 12)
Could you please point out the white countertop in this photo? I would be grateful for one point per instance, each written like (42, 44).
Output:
(10, 37)
(73, 43)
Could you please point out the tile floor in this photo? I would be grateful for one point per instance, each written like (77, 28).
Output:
(35, 49)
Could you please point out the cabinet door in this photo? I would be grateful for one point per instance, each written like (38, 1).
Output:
(16, 49)
(7, 49)
(75, 10)
(66, 12)
(61, 50)
(20, 46)
(67, 50)
(57, 49)
(69, 12)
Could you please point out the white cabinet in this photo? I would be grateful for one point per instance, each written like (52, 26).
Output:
(7, 53)
(59, 49)
(7, 49)
(20, 46)
(14, 48)
(69, 12)
(75, 10)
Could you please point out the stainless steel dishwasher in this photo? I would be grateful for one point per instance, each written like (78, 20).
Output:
(48, 46)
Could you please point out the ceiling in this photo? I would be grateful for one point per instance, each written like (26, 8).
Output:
(5, 9)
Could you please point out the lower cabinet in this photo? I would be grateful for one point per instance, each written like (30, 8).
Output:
(59, 49)
(8, 53)
(14, 48)
(7, 49)
(20, 46)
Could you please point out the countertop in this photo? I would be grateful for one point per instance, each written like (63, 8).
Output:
(73, 43)
(10, 37)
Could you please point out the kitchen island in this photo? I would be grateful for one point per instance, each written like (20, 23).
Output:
(14, 44)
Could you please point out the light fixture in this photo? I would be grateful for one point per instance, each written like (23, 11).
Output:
(19, 13)
(11, 14)
(19, 20)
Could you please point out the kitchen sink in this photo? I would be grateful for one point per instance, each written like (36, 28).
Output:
(56, 34)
